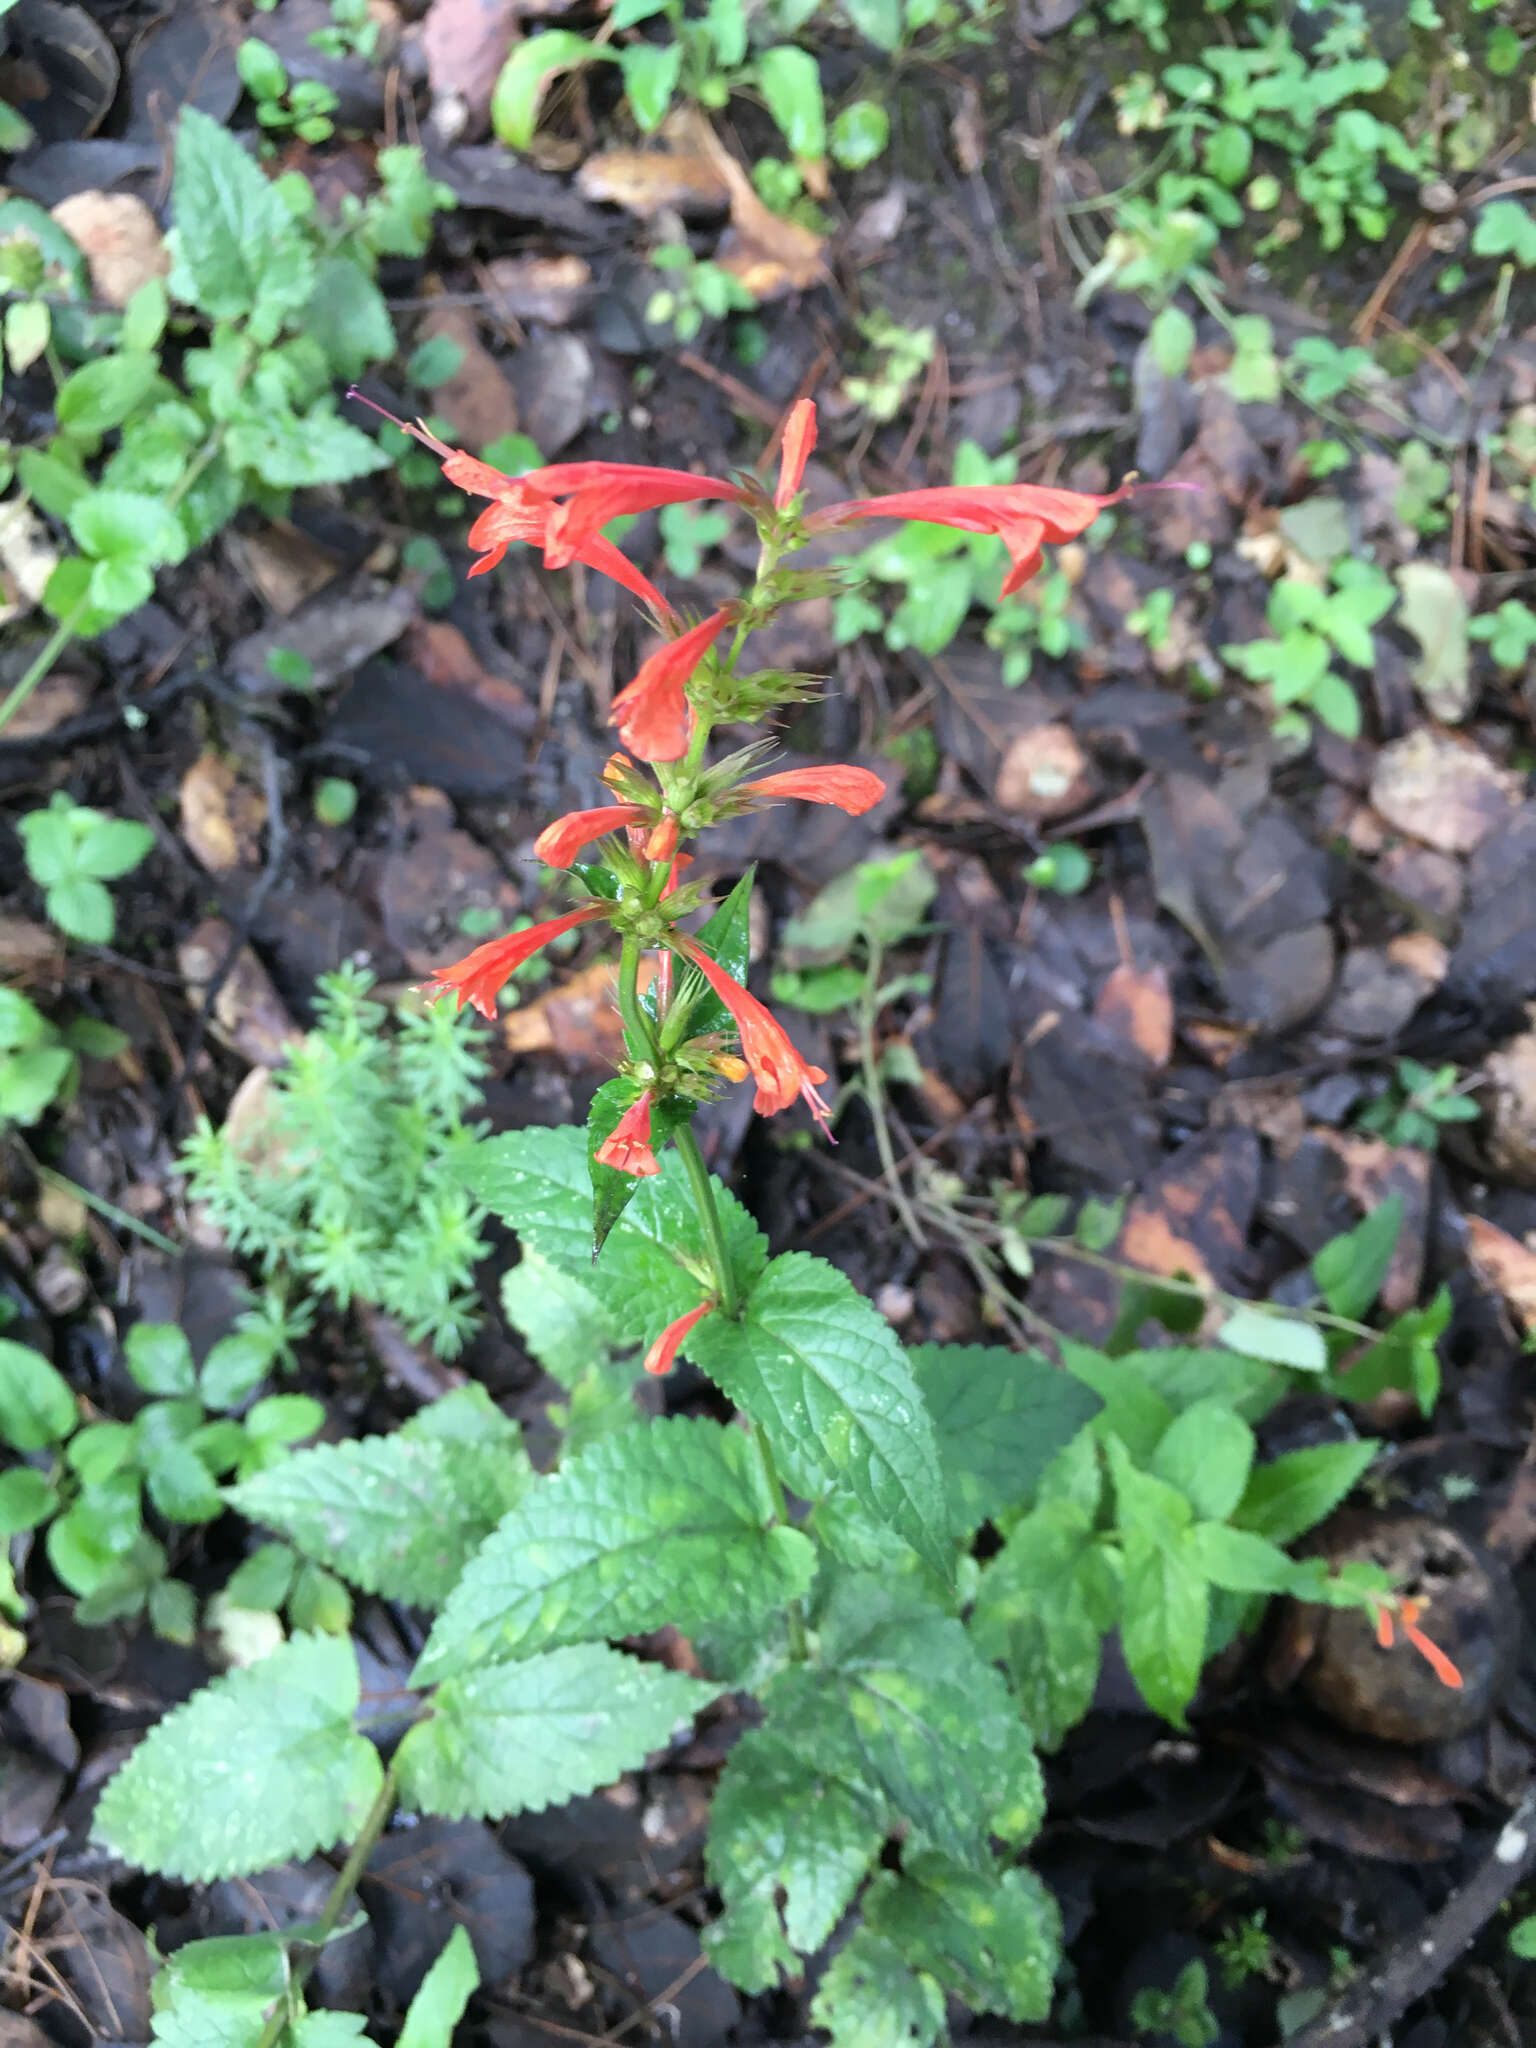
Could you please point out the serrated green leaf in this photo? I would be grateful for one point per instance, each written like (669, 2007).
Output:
(648, 1272)
(1042, 1608)
(515, 1738)
(159, 1359)
(26, 1498)
(439, 2005)
(29, 1081)
(100, 395)
(903, 1704)
(348, 317)
(234, 246)
(818, 1369)
(1207, 1453)
(1295, 1492)
(999, 1417)
(667, 1522)
(394, 1514)
(1180, 1376)
(1134, 1413)
(870, 1997)
(789, 1844)
(563, 1323)
(1351, 1268)
(288, 451)
(261, 1766)
(37, 1408)
(1166, 1604)
(991, 1937)
(1241, 1562)
(83, 908)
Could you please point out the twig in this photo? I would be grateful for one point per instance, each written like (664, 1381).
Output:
(1381, 1994)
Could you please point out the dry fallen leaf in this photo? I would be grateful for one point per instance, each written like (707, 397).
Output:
(248, 1013)
(579, 1020)
(59, 696)
(1442, 791)
(221, 817)
(1136, 1005)
(770, 256)
(120, 240)
(476, 400)
(284, 566)
(647, 181)
(1045, 774)
(1507, 1264)
(551, 289)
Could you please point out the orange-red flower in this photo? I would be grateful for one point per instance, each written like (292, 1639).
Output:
(794, 450)
(663, 1353)
(1438, 1662)
(779, 1071)
(478, 978)
(595, 492)
(627, 1147)
(558, 844)
(1026, 515)
(854, 790)
(662, 842)
(654, 717)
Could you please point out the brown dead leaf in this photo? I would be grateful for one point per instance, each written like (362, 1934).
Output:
(59, 696)
(476, 400)
(426, 888)
(248, 1013)
(1511, 1072)
(1507, 1264)
(579, 1020)
(1193, 1215)
(25, 946)
(551, 289)
(28, 557)
(1045, 774)
(284, 565)
(647, 181)
(1441, 790)
(770, 256)
(968, 132)
(440, 652)
(221, 817)
(465, 43)
(119, 238)
(1136, 1004)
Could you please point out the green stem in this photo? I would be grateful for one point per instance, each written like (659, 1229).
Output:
(330, 1913)
(637, 1031)
(43, 661)
(709, 1215)
(794, 1620)
(107, 1210)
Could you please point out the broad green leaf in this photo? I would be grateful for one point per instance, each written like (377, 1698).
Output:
(261, 1766)
(1134, 1413)
(348, 317)
(563, 1324)
(1171, 338)
(816, 1366)
(790, 81)
(1435, 612)
(1207, 1454)
(1280, 1340)
(82, 907)
(650, 78)
(217, 1993)
(288, 451)
(870, 1997)
(180, 1485)
(26, 1498)
(159, 1359)
(22, 1023)
(439, 2005)
(37, 1408)
(992, 1938)
(1295, 1492)
(1163, 1620)
(235, 250)
(144, 317)
(1000, 1417)
(860, 134)
(904, 1705)
(1240, 1561)
(262, 1583)
(100, 395)
(878, 21)
(525, 78)
(29, 1081)
(666, 1523)
(1404, 1357)
(1042, 1608)
(394, 1514)
(515, 1738)
(1181, 1376)
(126, 526)
(789, 1843)
(648, 1272)
(1351, 1268)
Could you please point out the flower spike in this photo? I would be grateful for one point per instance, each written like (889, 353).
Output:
(781, 1074)
(662, 1355)
(627, 1147)
(558, 844)
(654, 717)
(479, 977)
(794, 452)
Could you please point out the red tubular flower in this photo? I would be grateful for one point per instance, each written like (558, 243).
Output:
(654, 717)
(662, 843)
(627, 1147)
(854, 790)
(1026, 515)
(478, 978)
(558, 844)
(600, 491)
(1431, 1652)
(794, 450)
(779, 1071)
(662, 1355)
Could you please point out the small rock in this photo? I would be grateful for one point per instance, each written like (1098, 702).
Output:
(221, 817)
(1441, 791)
(1511, 1127)
(553, 376)
(25, 946)
(59, 1283)
(1431, 882)
(1374, 997)
(1045, 774)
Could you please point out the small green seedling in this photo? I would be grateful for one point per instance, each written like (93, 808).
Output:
(39, 1063)
(1182, 2012)
(698, 291)
(72, 852)
(1417, 1104)
(302, 106)
(1510, 633)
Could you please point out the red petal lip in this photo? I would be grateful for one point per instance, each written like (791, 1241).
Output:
(559, 843)
(627, 1147)
(663, 1353)
(654, 717)
(854, 790)
(480, 976)
(779, 1071)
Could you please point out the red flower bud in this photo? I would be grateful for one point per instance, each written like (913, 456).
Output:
(663, 1353)
(654, 717)
(558, 844)
(627, 1147)
(794, 450)
(662, 843)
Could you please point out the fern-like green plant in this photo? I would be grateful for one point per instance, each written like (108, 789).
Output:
(347, 1187)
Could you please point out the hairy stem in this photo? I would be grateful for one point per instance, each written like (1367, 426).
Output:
(331, 1912)
(637, 1028)
(709, 1215)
